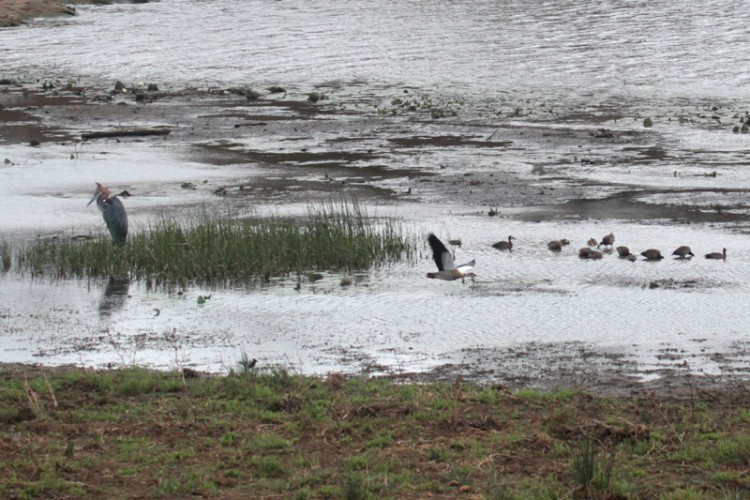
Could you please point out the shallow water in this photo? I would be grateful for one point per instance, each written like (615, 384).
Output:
(661, 58)
(566, 50)
(396, 318)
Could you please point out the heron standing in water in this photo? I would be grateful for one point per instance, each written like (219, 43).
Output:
(113, 212)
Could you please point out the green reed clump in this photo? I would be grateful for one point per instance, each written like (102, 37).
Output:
(5, 256)
(230, 250)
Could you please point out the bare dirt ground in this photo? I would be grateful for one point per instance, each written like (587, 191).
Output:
(377, 156)
(14, 12)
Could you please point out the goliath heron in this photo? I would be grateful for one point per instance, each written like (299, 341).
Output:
(113, 212)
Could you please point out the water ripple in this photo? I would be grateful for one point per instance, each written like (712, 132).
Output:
(662, 47)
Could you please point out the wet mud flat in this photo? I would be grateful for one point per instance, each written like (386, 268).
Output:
(594, 164)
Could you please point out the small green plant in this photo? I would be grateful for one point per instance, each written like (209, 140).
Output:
(488, 396)
(271, 442)
(381, 440)
(270, 467)
(357, 487)
(589, 471)
(436, 107)
(359, 462)
(732, 449)
(228, 439)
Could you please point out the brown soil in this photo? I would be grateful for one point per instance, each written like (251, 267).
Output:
(14, 12)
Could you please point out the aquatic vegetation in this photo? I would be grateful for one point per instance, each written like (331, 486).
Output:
(207, 249)
(5, 256)
(438, 108)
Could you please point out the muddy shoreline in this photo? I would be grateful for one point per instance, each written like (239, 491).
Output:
(316, 148)
(343, 145)
(16, 12)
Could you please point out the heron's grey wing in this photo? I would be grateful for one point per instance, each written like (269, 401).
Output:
(116, 219)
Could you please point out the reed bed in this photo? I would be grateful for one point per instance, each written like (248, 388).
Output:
(332, 237)
(5, 256)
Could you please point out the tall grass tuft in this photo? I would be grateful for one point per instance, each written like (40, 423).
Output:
(590, 472)
(215, 251)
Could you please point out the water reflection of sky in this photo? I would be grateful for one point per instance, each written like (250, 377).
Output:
(571, 50)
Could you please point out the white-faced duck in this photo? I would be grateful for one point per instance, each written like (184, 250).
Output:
(556, 245)
(504, 245)
(652, 254)
(683, 252)
(623, 251)
(717, 255)
(607, 241)
(589, 253)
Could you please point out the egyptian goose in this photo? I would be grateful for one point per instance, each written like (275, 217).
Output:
(447, 270)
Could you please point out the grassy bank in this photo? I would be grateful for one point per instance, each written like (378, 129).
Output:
(332, 237)
(135, 433)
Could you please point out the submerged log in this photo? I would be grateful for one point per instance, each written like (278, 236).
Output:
(138, 132)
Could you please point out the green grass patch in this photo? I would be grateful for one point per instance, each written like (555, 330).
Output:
(273, 433)
(228, 251)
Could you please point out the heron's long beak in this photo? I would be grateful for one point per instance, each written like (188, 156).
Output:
(96, 195)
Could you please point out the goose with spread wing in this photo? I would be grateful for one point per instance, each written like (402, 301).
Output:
(447, 270)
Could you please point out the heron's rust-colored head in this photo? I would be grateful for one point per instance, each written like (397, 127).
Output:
(101, 193)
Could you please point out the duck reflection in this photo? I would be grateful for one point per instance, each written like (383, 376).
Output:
(115, 296)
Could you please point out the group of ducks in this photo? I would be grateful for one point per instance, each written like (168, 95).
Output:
(447, 270)
(589, 252)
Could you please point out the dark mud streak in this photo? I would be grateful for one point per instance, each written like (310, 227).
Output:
(578, 365)
(625, 205)
(446, 141)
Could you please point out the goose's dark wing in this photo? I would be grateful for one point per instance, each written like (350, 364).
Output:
(441, 255)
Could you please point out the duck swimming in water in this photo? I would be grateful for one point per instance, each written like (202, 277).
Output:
(683, 252)
(717, 255)
(504, 245)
